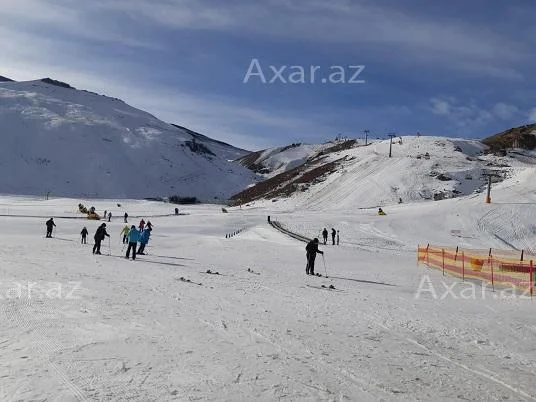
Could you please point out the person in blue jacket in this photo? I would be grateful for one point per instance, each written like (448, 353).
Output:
(144, 239)
(133, 238)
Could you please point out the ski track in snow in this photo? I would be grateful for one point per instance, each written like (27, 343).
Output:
(136, 332)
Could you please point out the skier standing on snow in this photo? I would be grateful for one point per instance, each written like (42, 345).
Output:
(84, 234)
(144, 239)
(100, 234)
(109, 216)
(149, 225)
(124, 233)
(50, 227)
(337, 237)
(142, 225)
(333, 234)
(312, 250)
(126, 217)
(325, 235)
(133, 237)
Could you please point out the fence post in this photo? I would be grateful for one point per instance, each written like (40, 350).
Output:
(456, 255)
(531, 280)
(427, 255)
(522, 255)
(443, 254)
(492, 281)
(463, 266)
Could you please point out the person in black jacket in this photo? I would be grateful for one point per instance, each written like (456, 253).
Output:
(325, 235)
(84, 234)
(50, 226)
(312, 250)
(100, 234)
(333, 234)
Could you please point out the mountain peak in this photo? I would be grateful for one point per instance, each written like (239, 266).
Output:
(78, 144)
(56, 83)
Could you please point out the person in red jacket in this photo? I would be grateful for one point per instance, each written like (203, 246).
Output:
(142, 225)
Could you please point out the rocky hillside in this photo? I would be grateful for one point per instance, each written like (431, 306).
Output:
(523, 137)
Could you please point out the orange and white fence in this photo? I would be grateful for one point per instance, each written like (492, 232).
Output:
(497, 267)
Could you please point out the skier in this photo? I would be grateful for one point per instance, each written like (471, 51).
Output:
(50, 227)
(149, 225)
(325, 235)
(84, 234)
(380, 212)
(312, 249)
(144, 239)
(176, 211)
(133, 237)
(400, 200)
(126, 217)
(109, 216)
(333, 234)
(337, 237)
(142, 225)
(124, 233)
(100, 234)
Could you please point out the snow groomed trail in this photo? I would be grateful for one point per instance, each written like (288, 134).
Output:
(104, 328)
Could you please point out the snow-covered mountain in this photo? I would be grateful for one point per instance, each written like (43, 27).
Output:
(273, 161)
(70, 142)
(220, 148)
(349, 176)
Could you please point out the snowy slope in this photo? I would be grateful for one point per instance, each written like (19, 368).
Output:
(220, 148)
(420, 169)
(76, 143)
(273, 161)
(104, 328)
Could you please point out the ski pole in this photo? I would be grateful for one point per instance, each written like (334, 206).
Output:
(324, 261)
(109, 247)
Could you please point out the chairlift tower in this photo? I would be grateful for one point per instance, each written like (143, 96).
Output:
(490, 174)
(366, 132)
(391, 136)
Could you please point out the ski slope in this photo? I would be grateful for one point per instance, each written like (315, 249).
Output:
(104, 328)
(367, 177)
(282, 159)
(69, 142)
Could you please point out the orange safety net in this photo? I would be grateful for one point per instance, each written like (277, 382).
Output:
(498, 267)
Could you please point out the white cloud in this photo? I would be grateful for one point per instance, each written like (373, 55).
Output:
(465, 116)
(440, 107)
(532, 115)
(505, 111)
(387, 31)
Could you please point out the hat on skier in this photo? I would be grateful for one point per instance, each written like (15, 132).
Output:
(315, 240)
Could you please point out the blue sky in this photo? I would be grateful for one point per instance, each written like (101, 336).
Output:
(457, 68)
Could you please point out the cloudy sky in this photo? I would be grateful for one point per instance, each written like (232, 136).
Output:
(457, 68)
